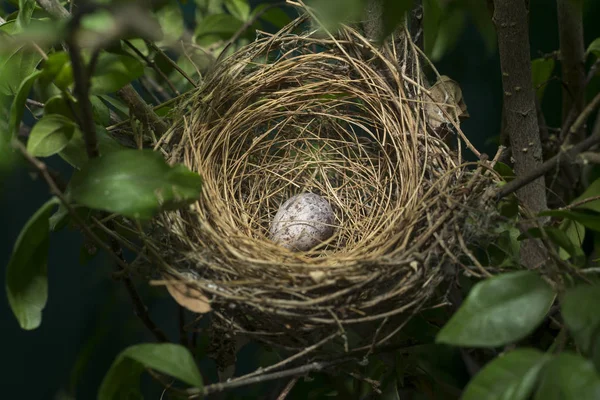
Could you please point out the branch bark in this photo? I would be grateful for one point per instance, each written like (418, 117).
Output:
(510, 18)
(570, 28)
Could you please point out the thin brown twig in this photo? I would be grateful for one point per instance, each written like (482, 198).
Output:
(170, 61)
(152, 64)
(288, 388)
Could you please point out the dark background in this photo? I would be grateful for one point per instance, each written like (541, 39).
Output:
(88, 319)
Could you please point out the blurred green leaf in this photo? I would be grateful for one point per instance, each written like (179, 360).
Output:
(18, 105)
(569, 377)
(275, 16)
(167, 358)
(170, 19)
(499, 310)
(480, 15)
(50, 135)
(589, 220)
(541, 71)
(452, 25)
(100, 111)
(432, 19)
(393, 13)
(58, 70)
(238, 8)
(75, 153)
(113, 71)
(510, 376)
(16, 64)
(505, 171)
(331, 13)
(26, 274)
(562, 239)
(134, 183)
(580, 313)
(57, 105)
(26, 8)
(593, 190)
(117, 105)
(575, 232)
(594, 48)
(223, 25)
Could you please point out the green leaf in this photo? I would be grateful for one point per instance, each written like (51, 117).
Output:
(238, 8)
(114, 71)
(26, 8)
(18, 105)
(167, 358)
(134, 183)
(565, 240)
(541, 70)
(58, 70)
(569, 377)
(57, 105)
(223, 25)
(118, 106)
(594, 48)
(451, 26)
(26, 274)
(275, 16)
(15, 64)
(75, 153)
(589, 220)
(580, 313)
(499, 310)
(511, 376)
(333, 12)
(592, 191)
(50, 135)
(393, 12)
(575, 232)
(100, 111)
(170, 19)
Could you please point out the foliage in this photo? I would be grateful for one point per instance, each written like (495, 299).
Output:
(536, 333)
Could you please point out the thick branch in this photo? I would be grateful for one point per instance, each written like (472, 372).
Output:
(510, 18)
(570, 27)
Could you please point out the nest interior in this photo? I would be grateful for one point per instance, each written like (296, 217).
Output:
(333, 115)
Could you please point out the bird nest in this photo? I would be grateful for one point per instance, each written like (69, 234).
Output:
(337, 116)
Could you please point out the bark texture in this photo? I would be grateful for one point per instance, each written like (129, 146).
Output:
(570, 28)
(511, 20)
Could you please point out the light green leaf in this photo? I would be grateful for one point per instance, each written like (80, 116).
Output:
(238, 8)
(592, 191)
(50, 135)
(575, 232)
(580, 312)
(26, 274)
(134, 183)
(511, 376)
(569, 377)
(58, 70)
(114, 71)
(223, 25)
(168, 358)
(499, 310)
(26, 8)
(58, 105)
(432, 19)
(117, 105)
(594, 48)
(333, 12)
(18, 105)
(589, 220)
(541, 71)
(170, 19)
(452, 25)
(15, 64)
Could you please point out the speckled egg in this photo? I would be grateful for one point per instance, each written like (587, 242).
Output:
(302, 222)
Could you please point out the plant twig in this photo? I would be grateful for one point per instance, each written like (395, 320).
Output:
(177, 68)
(141, 110)
(54, 8)
(152, 64)
(288, 388)
(316, 366)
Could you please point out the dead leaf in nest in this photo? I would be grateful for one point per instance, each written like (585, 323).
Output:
(446, 95)
(190, 298)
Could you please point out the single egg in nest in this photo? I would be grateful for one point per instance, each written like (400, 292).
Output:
(302, 222)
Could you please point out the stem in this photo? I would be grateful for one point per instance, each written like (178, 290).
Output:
(54, 8)
(141, 110)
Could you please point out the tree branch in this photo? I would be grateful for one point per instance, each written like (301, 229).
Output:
(54, 8)
(570, 27)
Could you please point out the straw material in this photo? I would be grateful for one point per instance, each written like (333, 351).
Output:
(333, 115)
